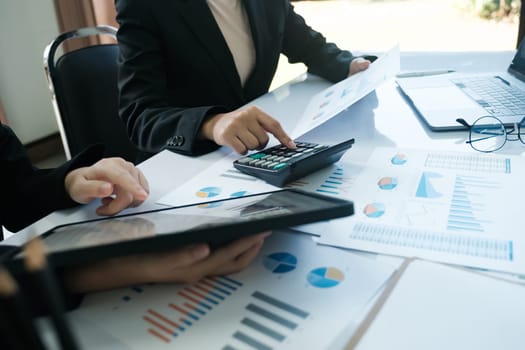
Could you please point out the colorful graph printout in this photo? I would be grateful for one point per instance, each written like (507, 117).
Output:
(257, 308)
(445, 206)
(336, 98)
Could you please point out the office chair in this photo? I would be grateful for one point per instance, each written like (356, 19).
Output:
(84, 94)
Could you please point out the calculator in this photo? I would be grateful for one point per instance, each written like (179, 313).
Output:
(279, 165)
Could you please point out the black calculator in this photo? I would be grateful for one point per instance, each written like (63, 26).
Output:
(279, 165)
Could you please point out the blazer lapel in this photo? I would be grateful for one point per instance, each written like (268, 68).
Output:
(201, 22)
(255, 15)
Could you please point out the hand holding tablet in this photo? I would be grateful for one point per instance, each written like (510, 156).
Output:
(214, 223)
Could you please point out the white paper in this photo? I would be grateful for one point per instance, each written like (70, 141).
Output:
(459, 208)
(333, 100)
(295, 295)
(219, 181)
(435, 307)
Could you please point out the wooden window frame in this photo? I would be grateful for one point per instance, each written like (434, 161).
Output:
(74, 14)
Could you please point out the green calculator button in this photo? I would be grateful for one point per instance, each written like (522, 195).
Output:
(257, 155)
(279, 166)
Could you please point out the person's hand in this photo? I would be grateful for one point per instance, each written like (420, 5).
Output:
(184, 265)
(118, 182)
(244, 129)
(357, 65)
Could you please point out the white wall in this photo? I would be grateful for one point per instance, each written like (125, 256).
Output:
(26, 27)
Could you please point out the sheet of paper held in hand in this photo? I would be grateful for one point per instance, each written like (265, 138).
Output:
(458, 208)
(333, 100)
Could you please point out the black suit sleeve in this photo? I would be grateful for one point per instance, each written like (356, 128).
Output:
(173, 72)
(154, 122)
(303, 44)
(29, 194)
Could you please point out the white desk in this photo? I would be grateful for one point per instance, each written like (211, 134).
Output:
(382, 118)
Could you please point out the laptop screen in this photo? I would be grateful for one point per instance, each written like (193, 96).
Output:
(517, 66)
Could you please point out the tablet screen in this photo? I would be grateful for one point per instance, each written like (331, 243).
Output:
(204, 220)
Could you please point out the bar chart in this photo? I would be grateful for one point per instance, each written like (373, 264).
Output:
(434, 241)
(278, 302)
(468, 162)
(468, 211)
(267, 318)
(337, 180)
(195, 302)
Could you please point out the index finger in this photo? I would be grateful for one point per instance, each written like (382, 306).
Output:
(118, 175)
(274, 127)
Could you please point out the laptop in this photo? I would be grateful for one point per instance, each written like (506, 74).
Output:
(441, 99)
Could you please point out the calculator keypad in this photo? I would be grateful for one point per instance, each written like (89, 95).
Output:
(280, 165)
(278, 157)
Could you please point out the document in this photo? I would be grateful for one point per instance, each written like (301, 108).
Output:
(294, 295)
(219, 181)
(459, 208)
(333, 100)
(433, 306)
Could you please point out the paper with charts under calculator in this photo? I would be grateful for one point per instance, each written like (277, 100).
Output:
(453, 207)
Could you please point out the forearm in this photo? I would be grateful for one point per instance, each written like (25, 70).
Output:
(30, 194)
(173, 128)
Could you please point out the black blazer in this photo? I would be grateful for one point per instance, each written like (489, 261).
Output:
(175, 67)
(27, 193)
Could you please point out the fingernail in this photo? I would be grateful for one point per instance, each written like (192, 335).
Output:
(105, 188)
(200, 251)
(291, 144)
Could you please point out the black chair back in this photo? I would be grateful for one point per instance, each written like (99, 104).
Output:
(84, 90)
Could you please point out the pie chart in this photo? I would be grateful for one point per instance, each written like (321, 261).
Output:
(387, 183)
(374, 210)
(239, 194)
(281, 262)
(210, 205)
(325, 277)
(208, 192)
(399, 159)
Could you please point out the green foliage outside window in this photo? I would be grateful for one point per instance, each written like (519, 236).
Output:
(495, 9)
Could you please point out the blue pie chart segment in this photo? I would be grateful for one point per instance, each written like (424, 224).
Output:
(239, 194)
(208, 192)
(399, 159)
(325, 277)
(374, 210)
(210, 205)
(280, 262)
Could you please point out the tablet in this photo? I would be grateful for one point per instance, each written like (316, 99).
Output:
(215, 222)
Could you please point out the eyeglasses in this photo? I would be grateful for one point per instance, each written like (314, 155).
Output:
(489, 134)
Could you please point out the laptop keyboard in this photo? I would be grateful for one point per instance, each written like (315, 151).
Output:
(494, 94)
